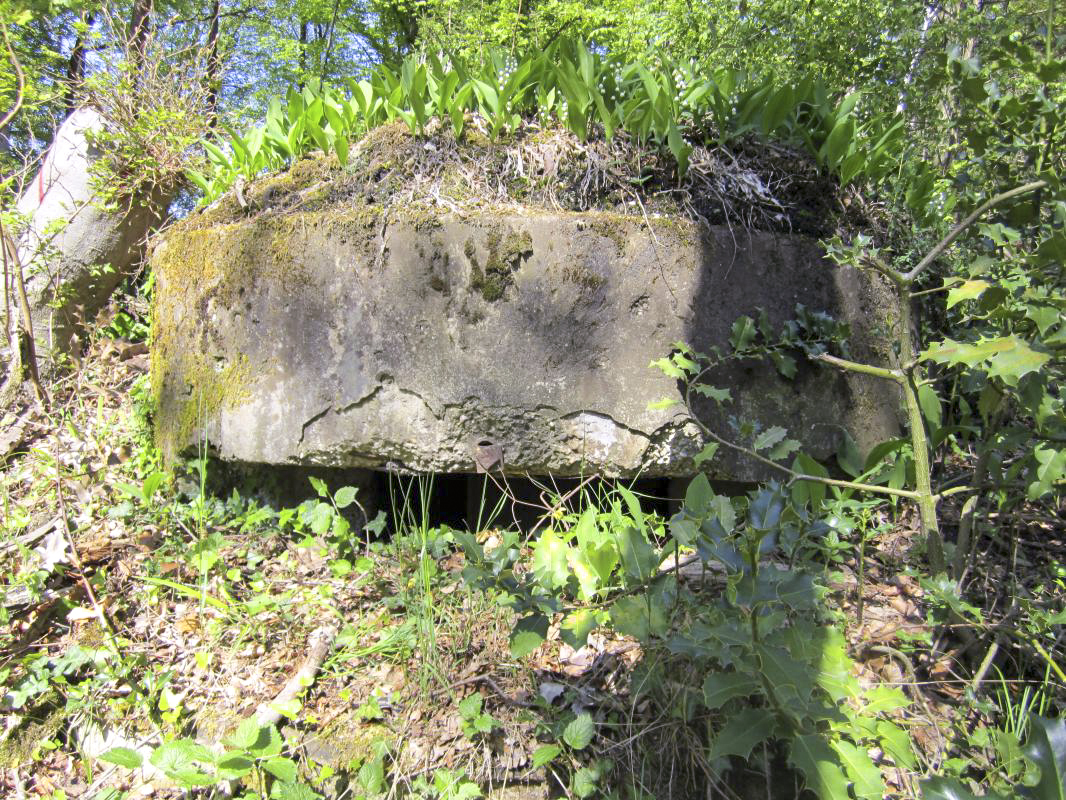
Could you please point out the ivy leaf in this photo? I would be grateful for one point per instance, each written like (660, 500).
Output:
(741, 733)
(820, 766)
(577, 626)
(528, 634)
(721, 687)
(578, 734)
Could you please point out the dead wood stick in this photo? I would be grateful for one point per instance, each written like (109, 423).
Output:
(319, 643)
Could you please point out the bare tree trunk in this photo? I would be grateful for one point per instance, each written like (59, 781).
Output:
(76, 70)
(214, 66)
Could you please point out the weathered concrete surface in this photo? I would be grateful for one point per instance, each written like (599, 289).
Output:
(351, 339)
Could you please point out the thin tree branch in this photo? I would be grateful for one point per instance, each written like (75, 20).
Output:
(958, 230)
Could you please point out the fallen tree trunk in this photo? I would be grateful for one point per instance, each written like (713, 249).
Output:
(75, 250)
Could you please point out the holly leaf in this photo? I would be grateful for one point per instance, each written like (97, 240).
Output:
(721, 687)
(741, 733)
(820, 766)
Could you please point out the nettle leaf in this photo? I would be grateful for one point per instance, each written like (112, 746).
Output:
(180, 755)
(579, 732)
(284, 769)
(470, 706)
(741, 733)
(246, 736)
(721, 687)
(545, 755)
(123, 757)
(820, 766)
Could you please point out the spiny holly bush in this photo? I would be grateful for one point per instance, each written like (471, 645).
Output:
(670, 107)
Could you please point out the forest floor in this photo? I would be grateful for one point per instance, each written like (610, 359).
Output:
(142, 609)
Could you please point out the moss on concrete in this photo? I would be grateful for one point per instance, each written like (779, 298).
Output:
(505, 254)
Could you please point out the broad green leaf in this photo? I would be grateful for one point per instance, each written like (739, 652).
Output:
(470, 706)
(721, 687)
(234, 766)
(551, 560)
(345, 496)
(950, 789)
(929, 402)
(841, 140)
(1051, 469)
(179, 755)
(1047, 749)
(319, 486)
(699, 496)
(630, 616)
(545, 755)
(848, 456)
(293, 791)
(123, 756)
(639, 558)
(820, 766)
(579, 732)
(812, 491)
(741, 733)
